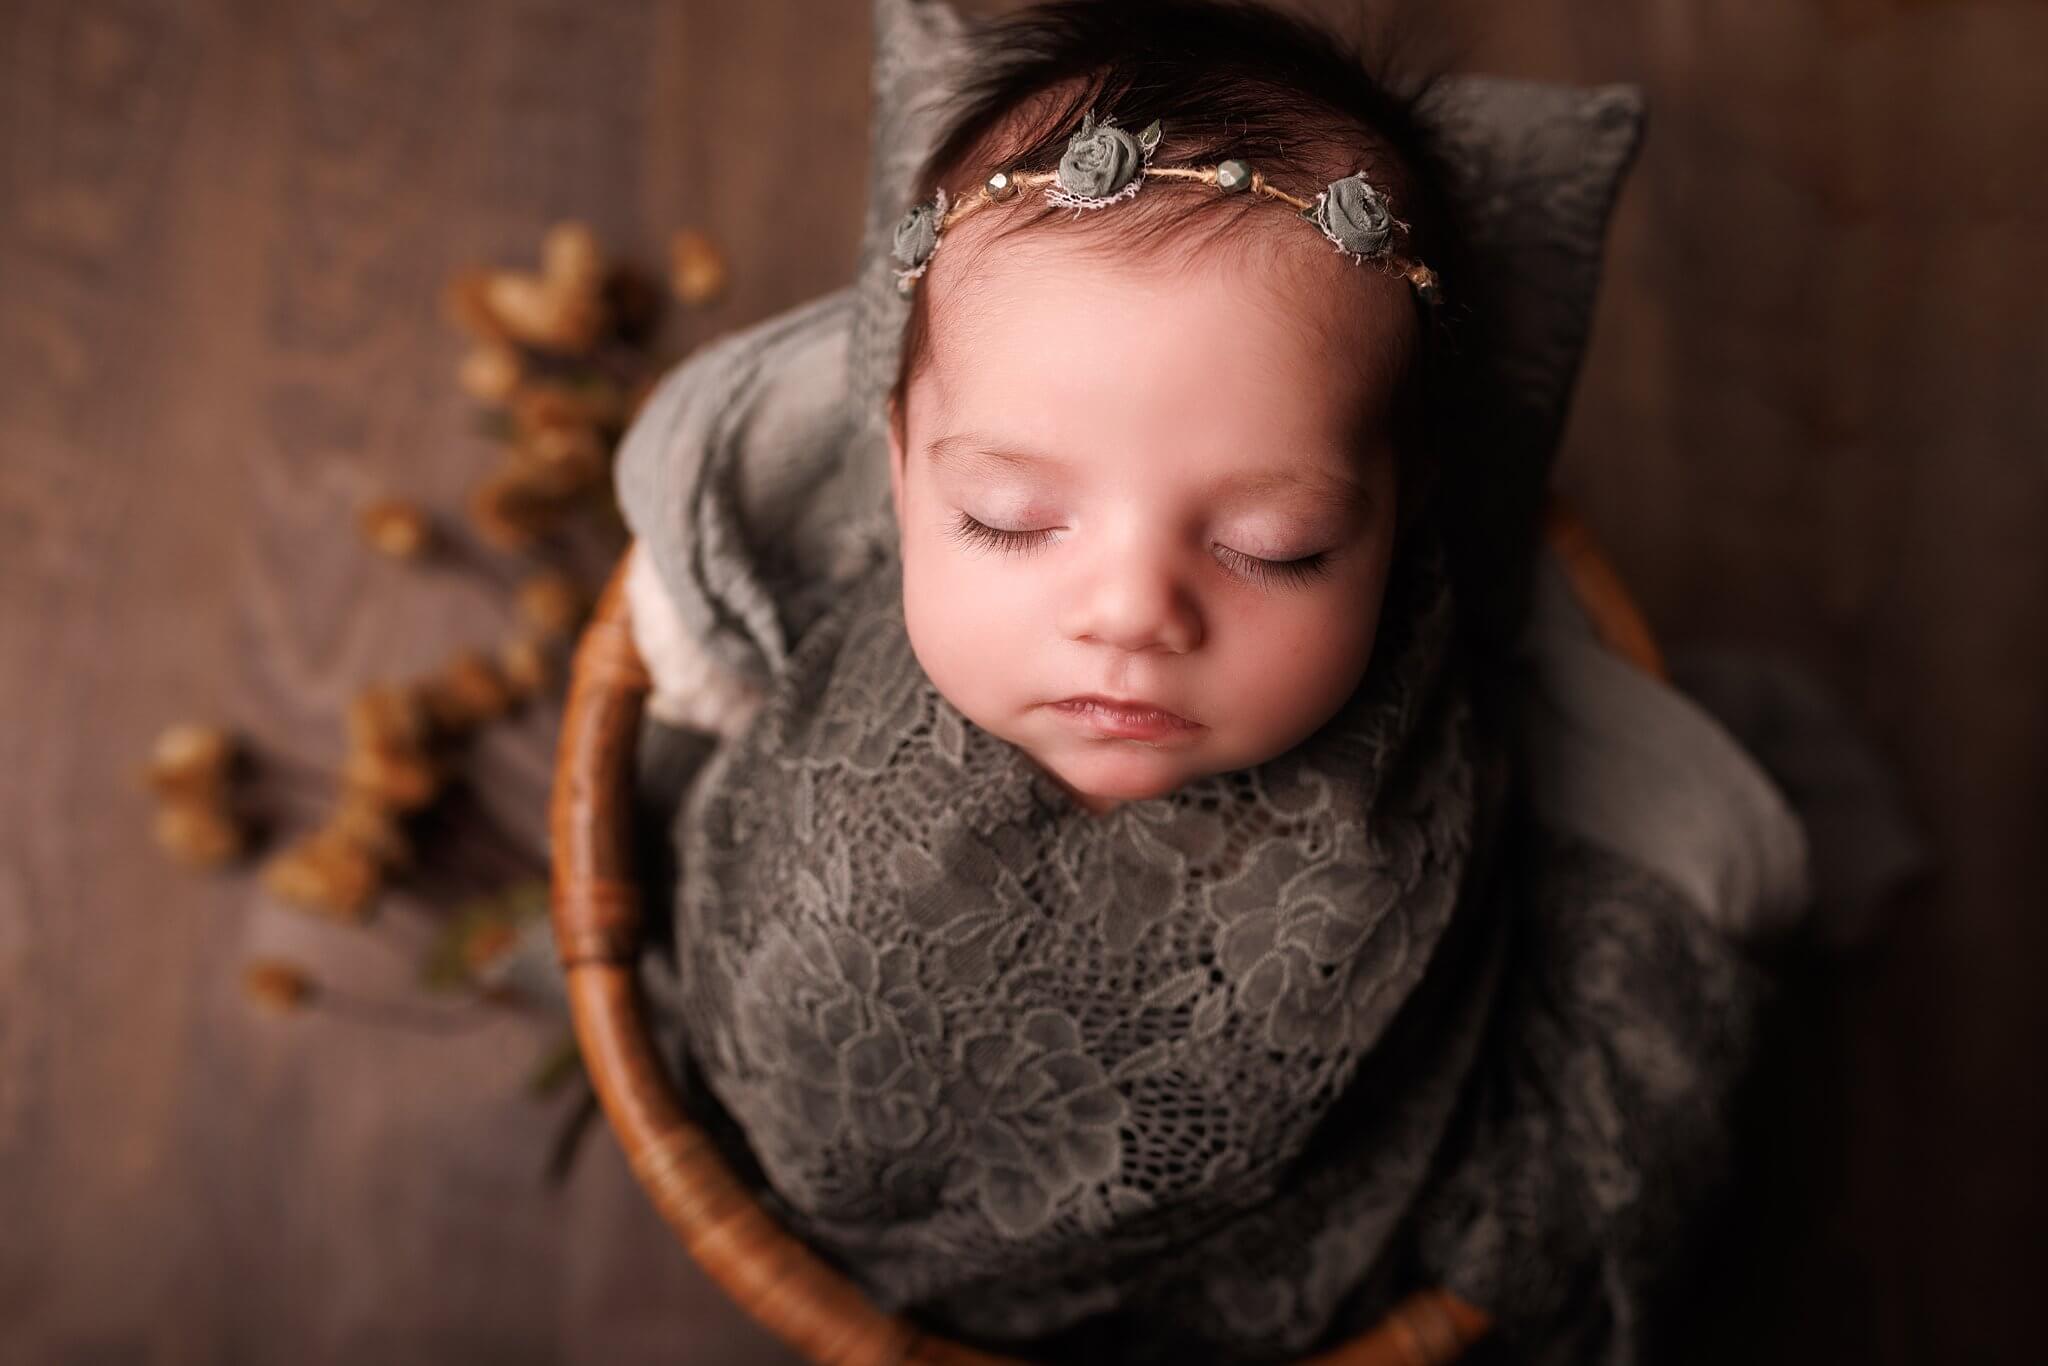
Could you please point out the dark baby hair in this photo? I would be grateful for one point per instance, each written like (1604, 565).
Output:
(1226, 78)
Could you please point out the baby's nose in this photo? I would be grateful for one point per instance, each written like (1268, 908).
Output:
(1136, 608)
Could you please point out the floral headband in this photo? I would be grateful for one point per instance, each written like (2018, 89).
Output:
(1104, 165)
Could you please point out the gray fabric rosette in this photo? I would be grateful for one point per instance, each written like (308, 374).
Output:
(1354, 214)
(918, 233)
(1100, 160)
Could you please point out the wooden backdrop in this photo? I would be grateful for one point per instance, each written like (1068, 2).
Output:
(1814, 418)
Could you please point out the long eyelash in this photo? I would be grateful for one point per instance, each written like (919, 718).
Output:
(970, 531)
(1290, 572)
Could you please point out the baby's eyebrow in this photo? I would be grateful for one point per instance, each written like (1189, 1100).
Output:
(968, 454)
(1340, 491)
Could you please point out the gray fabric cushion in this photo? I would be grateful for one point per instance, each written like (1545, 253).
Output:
(741, 476)
(920, 56)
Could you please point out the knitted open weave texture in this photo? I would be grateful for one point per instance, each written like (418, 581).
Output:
(1218, 1075)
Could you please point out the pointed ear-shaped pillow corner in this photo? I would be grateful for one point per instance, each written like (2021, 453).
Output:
(1537, 167)
(920, 54)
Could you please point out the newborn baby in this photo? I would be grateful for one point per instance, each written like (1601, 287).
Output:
(1113, 933)
(1147, 495)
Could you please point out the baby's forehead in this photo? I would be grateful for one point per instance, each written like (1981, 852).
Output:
(1233, 325)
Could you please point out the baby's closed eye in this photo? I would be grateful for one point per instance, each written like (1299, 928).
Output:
(970, 530)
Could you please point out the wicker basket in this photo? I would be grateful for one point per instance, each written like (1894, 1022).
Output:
(771, 1274)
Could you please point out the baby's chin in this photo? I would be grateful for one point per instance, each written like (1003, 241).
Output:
(1106, 773)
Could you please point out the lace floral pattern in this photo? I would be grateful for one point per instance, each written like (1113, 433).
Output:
(834, 1040)
(982, 1041)
(1180, 1081)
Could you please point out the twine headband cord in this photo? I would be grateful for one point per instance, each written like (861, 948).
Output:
(1106, 165)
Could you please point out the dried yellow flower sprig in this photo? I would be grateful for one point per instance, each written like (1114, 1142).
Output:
(397, 764)
(191, 770)
(277, 985)
(559, 359)
(396, 527)
(697, 273)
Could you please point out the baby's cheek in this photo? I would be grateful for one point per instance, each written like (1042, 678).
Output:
(1303, 669)
(963, 630)
(1324, 648)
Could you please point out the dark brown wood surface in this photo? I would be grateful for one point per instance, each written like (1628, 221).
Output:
(1813, 419)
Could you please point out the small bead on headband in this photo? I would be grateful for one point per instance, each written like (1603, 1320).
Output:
(1105, 165)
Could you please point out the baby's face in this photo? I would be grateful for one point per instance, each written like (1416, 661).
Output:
(1188, 495)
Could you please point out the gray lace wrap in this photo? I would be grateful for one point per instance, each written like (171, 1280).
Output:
(1222, 1076)
(1218, 1076)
